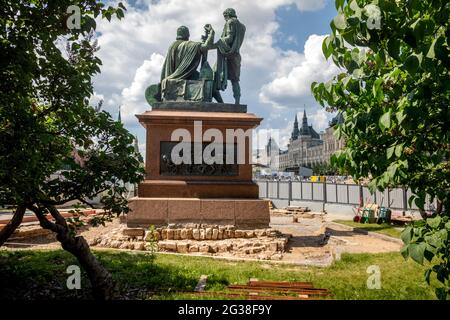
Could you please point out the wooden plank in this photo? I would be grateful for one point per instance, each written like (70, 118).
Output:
(308, 291)
(281, 284)
(250, 296)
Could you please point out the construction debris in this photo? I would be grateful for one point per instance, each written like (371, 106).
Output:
(290, 211)
(272, 290)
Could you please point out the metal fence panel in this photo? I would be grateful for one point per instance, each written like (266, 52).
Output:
(396, 198)
(317, 191)
(262, 189)
(342, 193)
(296, 190)
(413, 205)
(366, 194)
(337, 193)
(353, 194)
(272, 190)
(307, 191)
(331, 192)
(284, 190)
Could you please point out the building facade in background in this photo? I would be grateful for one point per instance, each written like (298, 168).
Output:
(306, 147)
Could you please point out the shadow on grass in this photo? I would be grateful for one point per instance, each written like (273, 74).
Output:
(364, 228)
(41, 275)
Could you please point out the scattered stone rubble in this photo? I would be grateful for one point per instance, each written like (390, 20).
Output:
(267, 244)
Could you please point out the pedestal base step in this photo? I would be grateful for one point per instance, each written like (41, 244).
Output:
(244, 213)
(198, 189)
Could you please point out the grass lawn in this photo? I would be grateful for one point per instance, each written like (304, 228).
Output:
(42, 275)
(383, 228)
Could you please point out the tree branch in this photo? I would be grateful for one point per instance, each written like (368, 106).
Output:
(43, 221)
(59, 219)
(86, 203)
(12, 225)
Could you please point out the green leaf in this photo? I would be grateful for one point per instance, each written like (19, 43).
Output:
(345, 81)
(122, 6)
(391, 170)
(399, 150)
(412, 63)
(353, 21)
(442, 235)
(377, 90)
(400, 116)
(416, 252)
(390, 151)
(327, 48)
(120, 13)
(90, 23)
(433, 241)
(406, 235)
(434, 222)
(340, 22)
(430, 251)
(339, 4)
(427, 276)
(441, 293)
(358, 73)
(388, 5)
(385, 121)
(431, 54)
(393, 47)
(420, 202)
(405, 252)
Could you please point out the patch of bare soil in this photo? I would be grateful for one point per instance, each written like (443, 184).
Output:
(313, 242)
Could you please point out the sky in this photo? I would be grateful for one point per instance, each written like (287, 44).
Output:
(281, 56)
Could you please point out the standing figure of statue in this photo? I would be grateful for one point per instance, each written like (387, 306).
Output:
(228, 57)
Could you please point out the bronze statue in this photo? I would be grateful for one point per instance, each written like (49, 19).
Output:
(228, 56)
(180, 80)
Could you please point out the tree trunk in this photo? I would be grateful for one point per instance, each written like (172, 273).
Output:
(423, 214)
(102, 283)
(12, 225)
(439, 206)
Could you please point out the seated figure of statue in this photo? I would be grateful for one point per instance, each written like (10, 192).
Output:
(180, 80)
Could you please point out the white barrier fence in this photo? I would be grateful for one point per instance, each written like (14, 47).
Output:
(336, 193)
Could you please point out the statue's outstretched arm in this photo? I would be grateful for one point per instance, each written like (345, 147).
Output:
(208, 44)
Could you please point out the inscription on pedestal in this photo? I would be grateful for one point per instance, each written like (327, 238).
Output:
(169, 167)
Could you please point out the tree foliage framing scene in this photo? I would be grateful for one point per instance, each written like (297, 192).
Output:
(380, 74)
(394, 94)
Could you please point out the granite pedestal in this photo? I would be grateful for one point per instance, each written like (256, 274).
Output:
(197, 193)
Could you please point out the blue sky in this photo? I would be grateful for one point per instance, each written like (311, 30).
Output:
(301, 24)
(281, 56)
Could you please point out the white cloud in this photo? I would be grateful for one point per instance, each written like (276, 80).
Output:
(133, 48)
(133, 96)
(309, 5)
(127, 44)
(96, 98)
(296, 72)
(320, 119)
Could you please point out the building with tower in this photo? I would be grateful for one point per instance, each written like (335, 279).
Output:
(306, 147)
